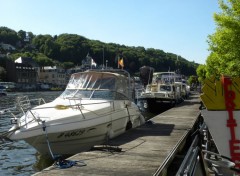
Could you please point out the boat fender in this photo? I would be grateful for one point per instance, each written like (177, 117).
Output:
(129, 125)
(14, 121)
(142, 119)
(145, 105)
(149, 122)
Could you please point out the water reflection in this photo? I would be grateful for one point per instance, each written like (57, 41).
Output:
(18, 157)
(42, 162)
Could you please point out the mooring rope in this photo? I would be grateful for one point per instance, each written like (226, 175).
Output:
(45, 130)
(58, 160)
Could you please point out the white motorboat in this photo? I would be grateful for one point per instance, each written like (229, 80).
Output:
(161, 88)
(96, 105)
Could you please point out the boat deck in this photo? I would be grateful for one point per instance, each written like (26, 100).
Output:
(146, 150)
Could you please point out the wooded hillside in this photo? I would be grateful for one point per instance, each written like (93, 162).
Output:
(68, 50)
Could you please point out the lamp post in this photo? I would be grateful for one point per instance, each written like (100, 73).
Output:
(106, 63)
(103, 59)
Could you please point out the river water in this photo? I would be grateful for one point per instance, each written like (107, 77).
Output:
(18, 157)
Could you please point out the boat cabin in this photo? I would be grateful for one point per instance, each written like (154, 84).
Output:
(99, 85)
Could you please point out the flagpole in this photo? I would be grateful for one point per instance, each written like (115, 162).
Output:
(103, 58)
(118, 61)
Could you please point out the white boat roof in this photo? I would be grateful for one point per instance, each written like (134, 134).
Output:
(100, 80)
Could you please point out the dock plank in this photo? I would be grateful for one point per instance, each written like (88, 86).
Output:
(146, 150)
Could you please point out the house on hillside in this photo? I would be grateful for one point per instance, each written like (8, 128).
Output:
(75, 69)
(54, 76)
(22, 73)
(26, 60)
(87, 63)
(7, 47)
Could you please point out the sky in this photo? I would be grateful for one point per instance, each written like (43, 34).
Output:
(174, 26)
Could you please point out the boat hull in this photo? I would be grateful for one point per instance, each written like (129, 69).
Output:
(71, 142)
(154, 104)
(80, 132)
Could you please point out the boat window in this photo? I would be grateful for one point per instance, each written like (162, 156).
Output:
(68, 93)
(93, 94)
(123, 86)
(165, 88)
(120, 96)
(108, 95)
(108, 83)
(91, 81)
(76, 93)
(83, 94)
(96, 85)
(103, 94)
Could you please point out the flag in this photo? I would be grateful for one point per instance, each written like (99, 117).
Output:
(120, 62)
(93, 63)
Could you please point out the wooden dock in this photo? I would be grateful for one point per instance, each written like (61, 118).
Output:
(146, 150)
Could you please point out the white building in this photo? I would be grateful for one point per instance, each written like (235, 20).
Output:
(53, 75)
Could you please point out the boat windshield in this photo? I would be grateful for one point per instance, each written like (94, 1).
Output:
(166, 77)
(165, 88)
(97, 85)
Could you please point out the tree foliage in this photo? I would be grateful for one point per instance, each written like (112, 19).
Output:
(2, 74)
(8, 36)
(201, 72)
(70, 49)
(224, 44)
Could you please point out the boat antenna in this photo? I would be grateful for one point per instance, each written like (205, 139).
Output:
(149, 74)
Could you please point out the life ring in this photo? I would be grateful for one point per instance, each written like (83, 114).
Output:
(61, 107)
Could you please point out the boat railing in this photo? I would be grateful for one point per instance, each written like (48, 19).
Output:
(22, 105)
(25, 104)
(77, 103)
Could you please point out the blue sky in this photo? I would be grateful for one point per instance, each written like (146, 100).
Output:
(176, 26)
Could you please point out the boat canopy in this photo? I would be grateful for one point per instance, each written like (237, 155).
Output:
(166, 77)
(98, 85)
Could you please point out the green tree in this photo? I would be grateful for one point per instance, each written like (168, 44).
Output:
(193, 81)
(22, 35)
(47, 50)
(201, 72)
(42, 60)
(71, 47)
(224, 44)
(67, 65)
(8, 36)
(2, 74)
(30, 36)
(14, 56)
